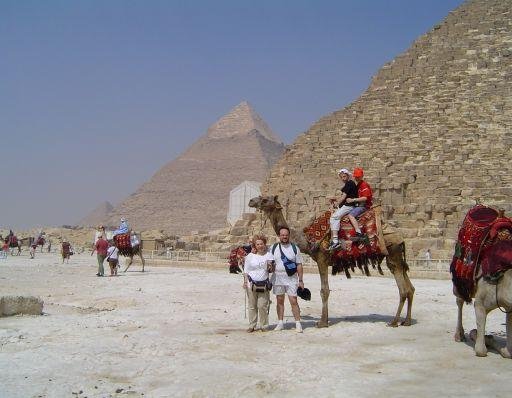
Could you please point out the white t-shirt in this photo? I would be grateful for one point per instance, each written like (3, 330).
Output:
(280, 277)
(256, 266)
(112, 253)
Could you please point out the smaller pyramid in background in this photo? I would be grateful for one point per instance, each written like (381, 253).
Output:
(241, 119)
(191, 192)
(98, 216)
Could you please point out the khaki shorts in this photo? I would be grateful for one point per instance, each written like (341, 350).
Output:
(290, 290)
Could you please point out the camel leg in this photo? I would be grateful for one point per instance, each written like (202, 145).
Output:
(142, 260)
(396, 265)
(323, 269)
(409, 292)
(506, 352)
(459, 331)
(481, 318)
(130, 263)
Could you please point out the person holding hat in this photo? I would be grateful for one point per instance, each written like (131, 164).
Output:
(256, 283)
(284, 280)
(348, 191)
(363, 200)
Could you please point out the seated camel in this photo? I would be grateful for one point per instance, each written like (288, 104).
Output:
(391, 245)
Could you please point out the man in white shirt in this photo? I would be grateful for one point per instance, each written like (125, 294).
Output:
(282, 281)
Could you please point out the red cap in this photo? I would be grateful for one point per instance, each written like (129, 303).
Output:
(358, 172)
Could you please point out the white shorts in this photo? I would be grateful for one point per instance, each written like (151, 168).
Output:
(290, 290)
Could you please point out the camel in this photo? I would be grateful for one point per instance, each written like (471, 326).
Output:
(490, 294)
(14, 243)
(130, 253)
(395, 258)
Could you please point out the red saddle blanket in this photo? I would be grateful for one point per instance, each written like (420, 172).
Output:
(122, 241)
(235, 255)
(352, 251)
(481, 229)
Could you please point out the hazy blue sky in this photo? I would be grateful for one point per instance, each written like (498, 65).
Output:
(96, 96)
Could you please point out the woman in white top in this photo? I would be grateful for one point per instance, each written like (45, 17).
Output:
(113, 258)
(255, 283)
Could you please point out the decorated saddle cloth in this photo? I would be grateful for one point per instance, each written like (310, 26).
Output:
(124, 245)
(235, 255)
(352, 252)
(481, 229)
(13, 242)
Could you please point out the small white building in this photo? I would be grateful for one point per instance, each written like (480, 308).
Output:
(239, 200)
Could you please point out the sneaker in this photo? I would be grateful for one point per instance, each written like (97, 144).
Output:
(250, 330)
(280, 326)
(359, 237)
(334, 246)
(298, 327)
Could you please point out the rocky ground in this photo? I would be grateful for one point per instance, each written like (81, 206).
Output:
(180, 331)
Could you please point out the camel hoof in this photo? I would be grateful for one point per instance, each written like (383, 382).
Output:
(322, 324)
(393, 324)
(505, 353)
(407, 322)
(459, 337)
(481, 353)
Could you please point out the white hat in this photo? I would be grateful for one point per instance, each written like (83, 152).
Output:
(344, 171)
(123, 220)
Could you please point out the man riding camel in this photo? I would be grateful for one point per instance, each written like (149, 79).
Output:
(363, 201)
(123, 228)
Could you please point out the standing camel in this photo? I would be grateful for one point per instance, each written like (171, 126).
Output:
(129, 247)
(489, 283)
(395, 258)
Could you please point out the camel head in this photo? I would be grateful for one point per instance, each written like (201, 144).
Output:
(265, 203)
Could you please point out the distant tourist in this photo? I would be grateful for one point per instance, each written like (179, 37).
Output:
(113, 258)
(65, 251)
(101, 248)
(428, 256)
(100, 230)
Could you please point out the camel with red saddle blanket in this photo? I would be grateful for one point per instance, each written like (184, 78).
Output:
(482, 269)
(314, 241)
(129, 247)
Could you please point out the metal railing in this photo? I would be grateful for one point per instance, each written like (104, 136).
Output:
(434, 265)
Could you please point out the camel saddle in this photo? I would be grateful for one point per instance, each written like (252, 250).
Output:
(235, 255)
(124, 245)
(482, 228)
(353, 253)
(13, 242)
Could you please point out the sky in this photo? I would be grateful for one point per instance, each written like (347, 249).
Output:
(96, 96)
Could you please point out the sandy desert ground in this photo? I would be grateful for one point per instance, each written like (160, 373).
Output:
(180, 331)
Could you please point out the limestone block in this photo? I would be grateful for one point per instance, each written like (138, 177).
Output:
(13, 305)
(238, 231)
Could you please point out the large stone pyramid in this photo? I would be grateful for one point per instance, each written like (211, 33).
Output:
(192, 192)
(433, 132)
